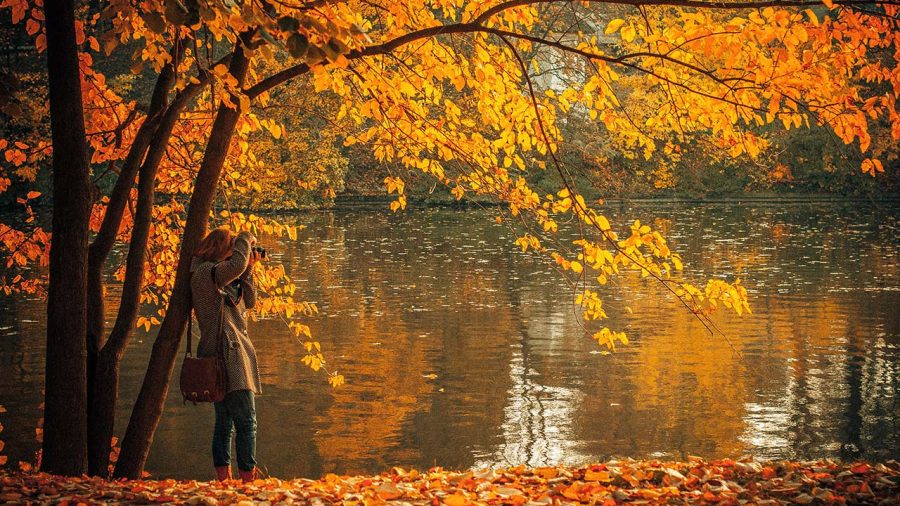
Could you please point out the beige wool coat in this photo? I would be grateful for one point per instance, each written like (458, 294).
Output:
(240, 354)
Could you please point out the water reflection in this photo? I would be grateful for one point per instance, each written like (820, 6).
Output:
(460, 351)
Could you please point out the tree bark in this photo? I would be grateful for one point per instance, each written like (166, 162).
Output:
(65, 399)
(106, 386)
(149, 405)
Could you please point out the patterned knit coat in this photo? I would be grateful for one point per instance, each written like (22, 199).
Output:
(240, 355)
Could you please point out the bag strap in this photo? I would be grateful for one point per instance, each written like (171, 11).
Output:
(220, 336)
(190, 325)
(220, 348)
(190, 332)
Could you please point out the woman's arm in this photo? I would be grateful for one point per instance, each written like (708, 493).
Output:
(249, 287)
(230, 269)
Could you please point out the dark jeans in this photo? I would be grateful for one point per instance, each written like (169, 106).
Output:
(235, 413)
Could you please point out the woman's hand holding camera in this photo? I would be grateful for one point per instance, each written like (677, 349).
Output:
(256, 254)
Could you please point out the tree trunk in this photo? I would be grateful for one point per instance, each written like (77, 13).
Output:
(106, 386)
(106, 237)
(151, 400)
(97, 255)
(118, 198)
(65, 400)
(103, 374)
(112, 219)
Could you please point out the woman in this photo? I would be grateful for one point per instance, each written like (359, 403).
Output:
(222, 284)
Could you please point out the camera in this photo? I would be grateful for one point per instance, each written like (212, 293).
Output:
(261, 251)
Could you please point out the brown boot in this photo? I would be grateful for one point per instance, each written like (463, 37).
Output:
(247, 476)
(223, 473)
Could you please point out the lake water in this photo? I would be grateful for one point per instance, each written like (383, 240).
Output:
(460, 351)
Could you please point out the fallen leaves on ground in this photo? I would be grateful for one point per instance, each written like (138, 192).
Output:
(696, 481)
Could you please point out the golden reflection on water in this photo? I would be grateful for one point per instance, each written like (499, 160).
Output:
(460, 351)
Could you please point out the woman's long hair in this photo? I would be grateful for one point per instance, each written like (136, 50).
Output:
(216, 245)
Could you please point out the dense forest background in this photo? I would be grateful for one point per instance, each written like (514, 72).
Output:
(798, 162)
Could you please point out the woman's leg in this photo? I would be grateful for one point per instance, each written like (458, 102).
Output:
(242, 406)
(222, 431)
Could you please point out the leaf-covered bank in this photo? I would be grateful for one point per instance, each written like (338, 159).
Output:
(645, 482)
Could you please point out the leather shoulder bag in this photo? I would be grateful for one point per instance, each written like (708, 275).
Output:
(204, 379)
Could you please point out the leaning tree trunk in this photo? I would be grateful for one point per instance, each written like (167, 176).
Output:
(97, 254)
(65, 399)
(118, 198)
(112, 219)
(106, 385)
(149, 405)
(156, 128)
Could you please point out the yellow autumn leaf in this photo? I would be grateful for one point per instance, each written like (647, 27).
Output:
(613, 26)
(456, 499)
(603, 223)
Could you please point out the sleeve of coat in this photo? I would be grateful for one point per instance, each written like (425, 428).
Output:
(229, 270)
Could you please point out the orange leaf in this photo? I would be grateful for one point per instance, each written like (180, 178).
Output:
(603, 476)
(861, 468)
(456, 500)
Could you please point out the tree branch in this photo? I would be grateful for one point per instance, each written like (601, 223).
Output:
(477, 25)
